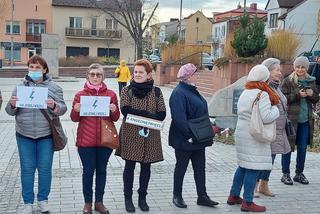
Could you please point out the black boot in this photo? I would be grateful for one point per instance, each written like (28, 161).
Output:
(129, 205)
(142, 202)
(179, 202)
(286, 179)
(204, 200)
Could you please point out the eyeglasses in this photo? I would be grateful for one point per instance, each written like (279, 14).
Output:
(95, 74)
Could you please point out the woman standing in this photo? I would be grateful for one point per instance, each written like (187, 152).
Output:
(281, 144)
(186, 103)
(138, 144)
(123, 74)
(34, 135)
(301, 92)
(93, 155)
(253, 156)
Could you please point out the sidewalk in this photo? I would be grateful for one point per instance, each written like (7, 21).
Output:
(66, 193)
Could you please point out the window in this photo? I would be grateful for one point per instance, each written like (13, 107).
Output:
(75, 22)
(94, 26)
(223, 31)
(111, 24)
(77, 51)
(16, 53)
(197, 19)
(108, 52)
(15, 27)
(36, 28)
(273, 21)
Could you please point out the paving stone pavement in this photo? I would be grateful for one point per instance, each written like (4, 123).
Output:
(66, 193)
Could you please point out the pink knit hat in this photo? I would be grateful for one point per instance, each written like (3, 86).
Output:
(186, 71)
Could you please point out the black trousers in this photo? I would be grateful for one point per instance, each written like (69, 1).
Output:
(198, 160)
(121, 86)
(128, 177)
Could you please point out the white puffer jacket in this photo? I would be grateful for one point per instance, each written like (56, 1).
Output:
(250, 153)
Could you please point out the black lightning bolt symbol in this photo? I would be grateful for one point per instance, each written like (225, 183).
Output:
(31, 95)
(95, 104)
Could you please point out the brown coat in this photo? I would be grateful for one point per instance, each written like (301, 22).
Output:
(291, 91)
(132, 146)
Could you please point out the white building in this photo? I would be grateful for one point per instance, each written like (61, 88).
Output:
(300, 16)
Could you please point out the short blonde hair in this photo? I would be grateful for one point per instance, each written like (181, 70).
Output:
(98, 67)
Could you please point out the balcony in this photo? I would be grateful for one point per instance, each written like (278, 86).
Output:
(36, 38)
(93, 33)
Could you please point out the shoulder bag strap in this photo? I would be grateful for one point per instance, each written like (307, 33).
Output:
(45, 114)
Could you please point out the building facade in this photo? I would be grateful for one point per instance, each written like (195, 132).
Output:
(195, 29)
(302, 17)
(86, 30)
(162, 31)
(226, 23)
(28, 23)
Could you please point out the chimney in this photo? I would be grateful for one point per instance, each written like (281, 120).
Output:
(239, 6)
(253, 6)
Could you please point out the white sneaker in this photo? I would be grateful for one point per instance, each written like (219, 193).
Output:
(43, 206)
(28, 208)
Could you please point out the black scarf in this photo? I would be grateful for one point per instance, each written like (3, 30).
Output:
(274, 84)
(140, 90)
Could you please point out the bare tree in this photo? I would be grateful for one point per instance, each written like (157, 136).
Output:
(133, 15)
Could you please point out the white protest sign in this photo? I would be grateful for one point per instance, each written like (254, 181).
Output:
(32, 97)
(94, 106)
(144, 122)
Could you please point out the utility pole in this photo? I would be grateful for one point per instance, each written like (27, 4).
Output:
(180, 20)
(245, 6)
(11, 32)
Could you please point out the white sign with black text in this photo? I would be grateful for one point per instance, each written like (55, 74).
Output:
(96, 106)
(144, 122)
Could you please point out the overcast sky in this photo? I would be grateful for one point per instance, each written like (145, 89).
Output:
(171, 8)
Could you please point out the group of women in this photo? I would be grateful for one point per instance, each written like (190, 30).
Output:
(143, 145)
(293, 102)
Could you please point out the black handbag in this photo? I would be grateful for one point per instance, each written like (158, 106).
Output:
(201, 130)
(290, 130)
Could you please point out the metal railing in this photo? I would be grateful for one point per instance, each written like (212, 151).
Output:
(93, 33)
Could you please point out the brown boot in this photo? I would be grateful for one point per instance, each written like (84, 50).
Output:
(87, 209)
(100, 208)
(255, 193)
(264, 188)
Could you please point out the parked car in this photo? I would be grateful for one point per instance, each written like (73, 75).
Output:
(154, 58)
(207, 61)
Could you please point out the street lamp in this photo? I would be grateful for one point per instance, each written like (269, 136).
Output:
(180, 20)
(11, 31)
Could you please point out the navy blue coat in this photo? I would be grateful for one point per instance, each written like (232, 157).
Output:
(185, 103)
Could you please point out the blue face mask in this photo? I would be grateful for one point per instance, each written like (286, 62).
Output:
(35, 75)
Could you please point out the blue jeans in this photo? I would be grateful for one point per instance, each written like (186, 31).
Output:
(302, 141)
(265, 174)
(246, 178)
(35, 154)
(94, 159)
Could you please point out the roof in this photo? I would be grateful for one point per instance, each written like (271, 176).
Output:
(188, 17)
(287, 3)
(236, 18)
(105, 4)
(241, 10)
(283, 16)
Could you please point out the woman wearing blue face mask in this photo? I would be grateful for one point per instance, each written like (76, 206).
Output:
(34, 136)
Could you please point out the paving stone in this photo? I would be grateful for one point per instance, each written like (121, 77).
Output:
(66, 193)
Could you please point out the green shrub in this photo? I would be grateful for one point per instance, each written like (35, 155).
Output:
(83, 61)
(249, 39)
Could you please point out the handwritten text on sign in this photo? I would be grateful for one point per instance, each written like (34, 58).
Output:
(144, 122)
(32, 97)
(94, 106)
